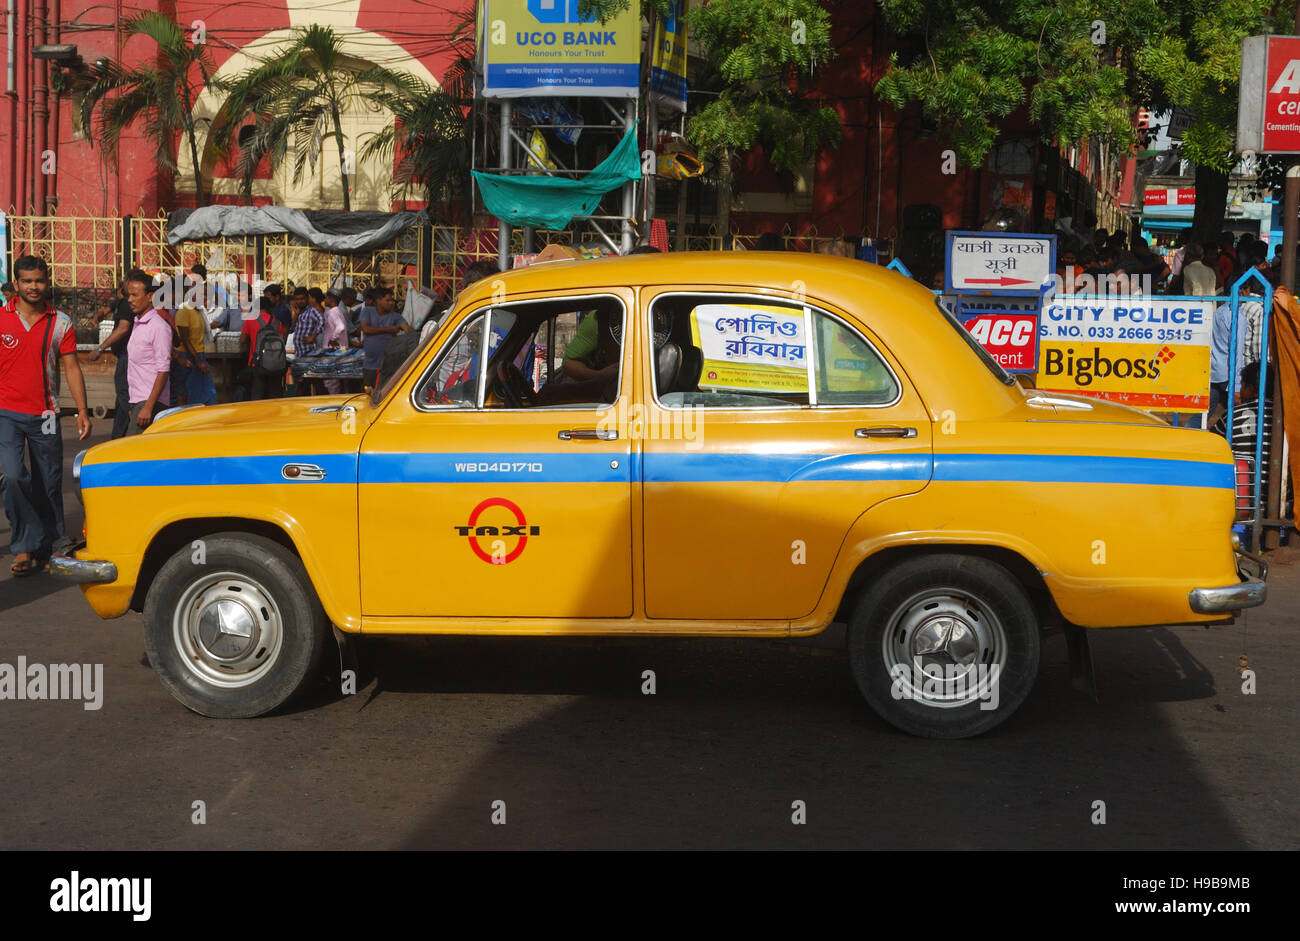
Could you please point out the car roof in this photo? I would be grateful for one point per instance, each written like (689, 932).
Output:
(901, 312)
(825, 276)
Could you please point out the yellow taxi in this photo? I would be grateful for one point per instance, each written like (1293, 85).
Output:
(741, 444)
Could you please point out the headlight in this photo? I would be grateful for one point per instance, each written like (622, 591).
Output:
(169, 411)
(76, 473)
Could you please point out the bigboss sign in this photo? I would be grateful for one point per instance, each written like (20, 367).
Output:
(1149, 352)
(1268, 116)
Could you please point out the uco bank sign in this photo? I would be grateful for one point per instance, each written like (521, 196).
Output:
(1268, 116)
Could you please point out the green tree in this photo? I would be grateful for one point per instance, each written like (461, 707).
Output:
(1083, 68)
(763, 54)
(298, 97)
(160, 95)
(974, 63)
(1195, 63)
(433, 127)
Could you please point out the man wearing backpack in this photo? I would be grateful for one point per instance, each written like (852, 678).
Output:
(262, 339)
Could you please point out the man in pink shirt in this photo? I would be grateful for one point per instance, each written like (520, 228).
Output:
(335, 335)
(148, 355)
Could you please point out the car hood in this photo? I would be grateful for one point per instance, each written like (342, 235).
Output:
(283, 414)
(290, 427)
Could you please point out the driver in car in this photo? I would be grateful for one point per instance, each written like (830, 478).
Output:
(594, 351)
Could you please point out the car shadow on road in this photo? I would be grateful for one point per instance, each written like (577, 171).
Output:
(737, 733)
(16, 592)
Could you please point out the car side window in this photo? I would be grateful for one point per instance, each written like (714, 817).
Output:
(849, 371)
(453, 381)
(540, 354)
(721, 351)
(716, 351)
(563, 352)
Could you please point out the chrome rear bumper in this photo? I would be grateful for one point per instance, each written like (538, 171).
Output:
(1250, 592)
(1247, 594)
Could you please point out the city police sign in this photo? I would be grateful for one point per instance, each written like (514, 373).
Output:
(1268, 115)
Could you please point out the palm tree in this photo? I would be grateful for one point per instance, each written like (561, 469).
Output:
(431, 134)
(161, 95)
(433, 127)
(298, 96)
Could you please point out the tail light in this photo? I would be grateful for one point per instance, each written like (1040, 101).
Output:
(1245, 488)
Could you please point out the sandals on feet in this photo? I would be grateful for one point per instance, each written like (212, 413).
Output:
(25, 567)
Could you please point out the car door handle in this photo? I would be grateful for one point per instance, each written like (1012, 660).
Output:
(889, 432)
(588, 434)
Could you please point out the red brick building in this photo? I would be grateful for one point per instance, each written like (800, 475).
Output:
(888, 178)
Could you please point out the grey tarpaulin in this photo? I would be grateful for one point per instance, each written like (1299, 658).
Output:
(329, 231)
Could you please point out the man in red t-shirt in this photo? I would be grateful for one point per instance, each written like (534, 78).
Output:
(34, 337)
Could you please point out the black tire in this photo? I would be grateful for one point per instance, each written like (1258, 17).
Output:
(255, 632)
(977, 612)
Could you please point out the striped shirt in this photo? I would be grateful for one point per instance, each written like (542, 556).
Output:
(311, 323)
(1250, 319)
(1243, 436)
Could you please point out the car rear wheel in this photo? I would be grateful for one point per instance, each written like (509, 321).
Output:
(944, 645)
(233, 627)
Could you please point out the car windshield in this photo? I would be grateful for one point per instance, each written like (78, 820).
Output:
(994, 367)
(390, 382)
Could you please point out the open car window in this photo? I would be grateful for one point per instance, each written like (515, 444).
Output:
(453, 380)
(541, 354)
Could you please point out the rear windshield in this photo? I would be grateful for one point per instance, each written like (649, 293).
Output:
(994, 366)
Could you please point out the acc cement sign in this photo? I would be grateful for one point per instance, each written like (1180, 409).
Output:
(1268, 115)
(544, 47)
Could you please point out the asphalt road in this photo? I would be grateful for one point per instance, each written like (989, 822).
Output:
(737, 731)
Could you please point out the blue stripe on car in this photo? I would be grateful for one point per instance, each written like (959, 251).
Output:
(675, 467)
(214, 471)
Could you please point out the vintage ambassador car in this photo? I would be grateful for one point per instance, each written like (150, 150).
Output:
(741, 444)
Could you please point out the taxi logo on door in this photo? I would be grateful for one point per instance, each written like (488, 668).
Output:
(490, 541)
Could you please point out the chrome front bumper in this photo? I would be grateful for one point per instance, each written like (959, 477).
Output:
(1250, 592)
(83, 571)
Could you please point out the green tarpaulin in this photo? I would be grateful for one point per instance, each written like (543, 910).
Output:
(549, 202)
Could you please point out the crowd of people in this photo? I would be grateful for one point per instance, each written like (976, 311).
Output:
(301, 324)
(1112, 263)
(306, 322)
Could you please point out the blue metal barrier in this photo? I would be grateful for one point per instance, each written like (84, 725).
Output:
(1234, 368)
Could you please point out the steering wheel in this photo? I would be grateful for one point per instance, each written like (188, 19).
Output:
(661, 330)
(512, 387)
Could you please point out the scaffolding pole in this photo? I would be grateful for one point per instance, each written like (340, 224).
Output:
(503, 227)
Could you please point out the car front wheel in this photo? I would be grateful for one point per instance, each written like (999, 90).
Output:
(233, 628)
(944, 645)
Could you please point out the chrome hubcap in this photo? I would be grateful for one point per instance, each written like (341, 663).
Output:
(944, 648)
(227, 629)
